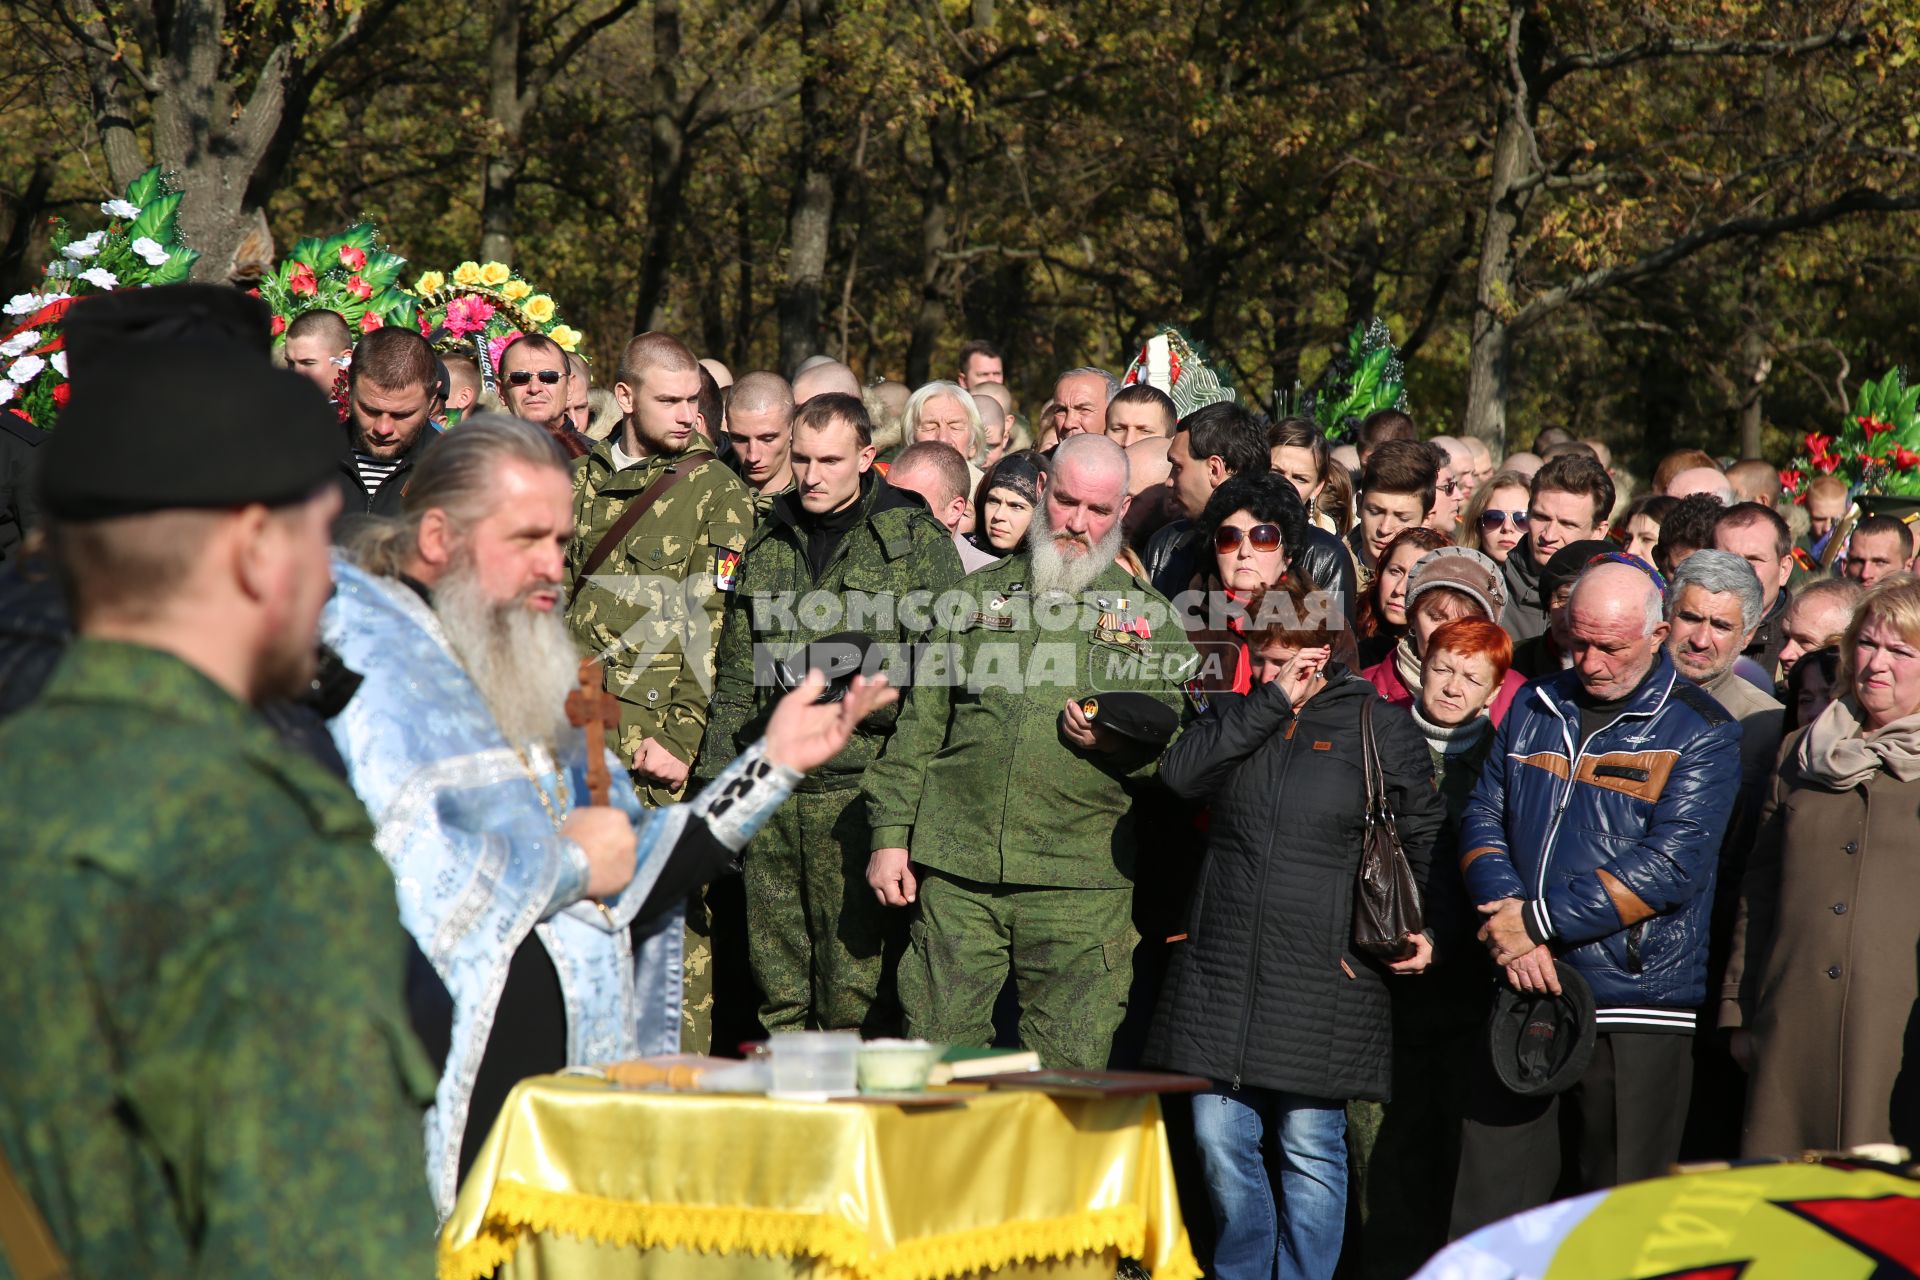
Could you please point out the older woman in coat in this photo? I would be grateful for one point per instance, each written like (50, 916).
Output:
(1825, 971)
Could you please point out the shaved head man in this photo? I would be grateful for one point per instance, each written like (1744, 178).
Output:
(1709, 480)
(1818, 617)
(818, 379)
(317, 348)
(760, 425)
(722, 376)
(1148, 468)
(936, 471)
(993, 427)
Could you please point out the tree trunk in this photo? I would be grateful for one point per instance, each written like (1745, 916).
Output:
(667, 164)
(936, 235)
(506, 122)
(742, 338)
(26, 218)
(1490, 347)
(811, 209)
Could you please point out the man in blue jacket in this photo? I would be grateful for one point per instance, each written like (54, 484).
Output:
(1593, 838)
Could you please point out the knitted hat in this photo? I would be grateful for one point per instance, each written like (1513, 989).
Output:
(1464, 570)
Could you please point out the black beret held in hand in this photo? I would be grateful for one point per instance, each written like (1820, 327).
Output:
(1541, 1043)
(1139, 716)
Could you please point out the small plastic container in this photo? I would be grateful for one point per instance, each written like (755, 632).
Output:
(814, 1064)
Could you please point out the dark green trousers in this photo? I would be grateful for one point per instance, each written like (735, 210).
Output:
(1070, 952)
(823, 948)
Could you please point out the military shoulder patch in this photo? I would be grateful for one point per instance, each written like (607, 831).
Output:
(726, 568)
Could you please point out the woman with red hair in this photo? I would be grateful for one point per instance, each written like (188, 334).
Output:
(1410, 1147)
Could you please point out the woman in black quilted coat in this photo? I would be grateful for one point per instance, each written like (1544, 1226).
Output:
(1266, 996)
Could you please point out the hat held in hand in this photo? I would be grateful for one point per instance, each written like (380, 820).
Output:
(1139, 716)
(1542, 1043)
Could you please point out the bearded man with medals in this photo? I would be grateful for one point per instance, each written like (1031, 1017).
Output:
(554, 921)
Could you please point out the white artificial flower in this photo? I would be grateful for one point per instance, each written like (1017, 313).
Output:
(26, 369)
(20, 343)
(100, 278)
(59, 362)
(85, 247)
(21, 303)
(120, 209)
(6, 391)
(150, 249)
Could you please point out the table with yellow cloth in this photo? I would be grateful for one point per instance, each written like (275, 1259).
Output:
(581, 1177)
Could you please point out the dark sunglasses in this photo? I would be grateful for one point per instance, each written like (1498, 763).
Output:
(521, 377)
(1491, 519)
(1265, 537)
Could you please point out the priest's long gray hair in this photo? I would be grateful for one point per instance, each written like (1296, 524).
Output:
(455, 474)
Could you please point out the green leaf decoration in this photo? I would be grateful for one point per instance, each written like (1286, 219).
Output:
(156, 220)
(143, 190)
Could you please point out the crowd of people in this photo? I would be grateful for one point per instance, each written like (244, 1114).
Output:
(915, 713)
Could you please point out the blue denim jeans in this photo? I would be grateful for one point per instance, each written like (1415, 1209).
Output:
(1296, 1235)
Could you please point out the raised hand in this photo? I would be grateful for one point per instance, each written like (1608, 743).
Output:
(804, 733)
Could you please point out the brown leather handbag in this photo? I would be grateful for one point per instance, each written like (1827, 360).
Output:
(1386, 901)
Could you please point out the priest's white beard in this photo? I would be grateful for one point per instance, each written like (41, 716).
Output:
(522, 660)
(1067, 562)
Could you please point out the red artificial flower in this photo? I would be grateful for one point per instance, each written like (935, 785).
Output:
(369, 322)
(1873, 427)
(279, 325)
(1790, 479)
(359, 288)
(1826, 464)
(1817, 444)
(1904, 458)
(61, 394)
(426, 327)
(253, 293)
(302, 280)
(351, 257)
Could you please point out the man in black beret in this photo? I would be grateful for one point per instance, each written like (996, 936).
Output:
(204, 965)
(1546, 653)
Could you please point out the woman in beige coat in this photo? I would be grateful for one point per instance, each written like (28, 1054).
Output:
(1825, 969)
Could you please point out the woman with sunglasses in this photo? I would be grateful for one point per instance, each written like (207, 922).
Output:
(1254, 524)
(1496, 519)
(1383, 610)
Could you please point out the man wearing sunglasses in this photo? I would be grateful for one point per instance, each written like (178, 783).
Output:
(534, 383)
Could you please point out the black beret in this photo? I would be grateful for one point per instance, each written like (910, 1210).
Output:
(98, 326)
(188, 425)
(1541, 1044)
(1139, 716)
(839, 657)
(1564, 565)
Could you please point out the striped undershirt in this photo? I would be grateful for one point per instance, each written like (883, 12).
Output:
(374, 471)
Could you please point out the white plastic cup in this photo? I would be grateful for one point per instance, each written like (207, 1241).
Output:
(814, 1064)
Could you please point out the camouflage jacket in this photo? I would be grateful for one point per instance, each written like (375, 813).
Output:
(895, 549)
(207, 1064)
(652, 611)
(978, 780)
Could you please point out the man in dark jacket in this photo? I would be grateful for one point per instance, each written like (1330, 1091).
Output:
(1593, 838)
(389, 390)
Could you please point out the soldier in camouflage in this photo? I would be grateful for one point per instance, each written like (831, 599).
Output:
(760, 425)
(207, 1064)
(843, 553)
(650, 609)
(1000, 808)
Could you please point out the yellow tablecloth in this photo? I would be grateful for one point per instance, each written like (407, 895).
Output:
(581, 1177)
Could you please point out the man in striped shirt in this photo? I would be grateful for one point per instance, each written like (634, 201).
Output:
(389, 391)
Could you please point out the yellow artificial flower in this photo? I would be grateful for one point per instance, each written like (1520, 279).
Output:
(514, 290)
(430, 282)
(566, 337)
(467, 273)
(539, 309)
(495, 274)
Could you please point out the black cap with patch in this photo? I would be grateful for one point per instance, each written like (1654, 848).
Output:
(191, 424)
(1139, 716)
(839, 657)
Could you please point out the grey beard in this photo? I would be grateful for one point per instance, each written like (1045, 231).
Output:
(523, 662)
(1055, 570)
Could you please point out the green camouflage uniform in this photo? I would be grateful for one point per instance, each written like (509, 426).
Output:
(1023, 845)
(821, 944)
(763, 502)
(206, 1061)
(651, 613)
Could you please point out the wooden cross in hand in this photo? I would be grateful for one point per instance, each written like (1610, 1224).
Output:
(592, 708)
